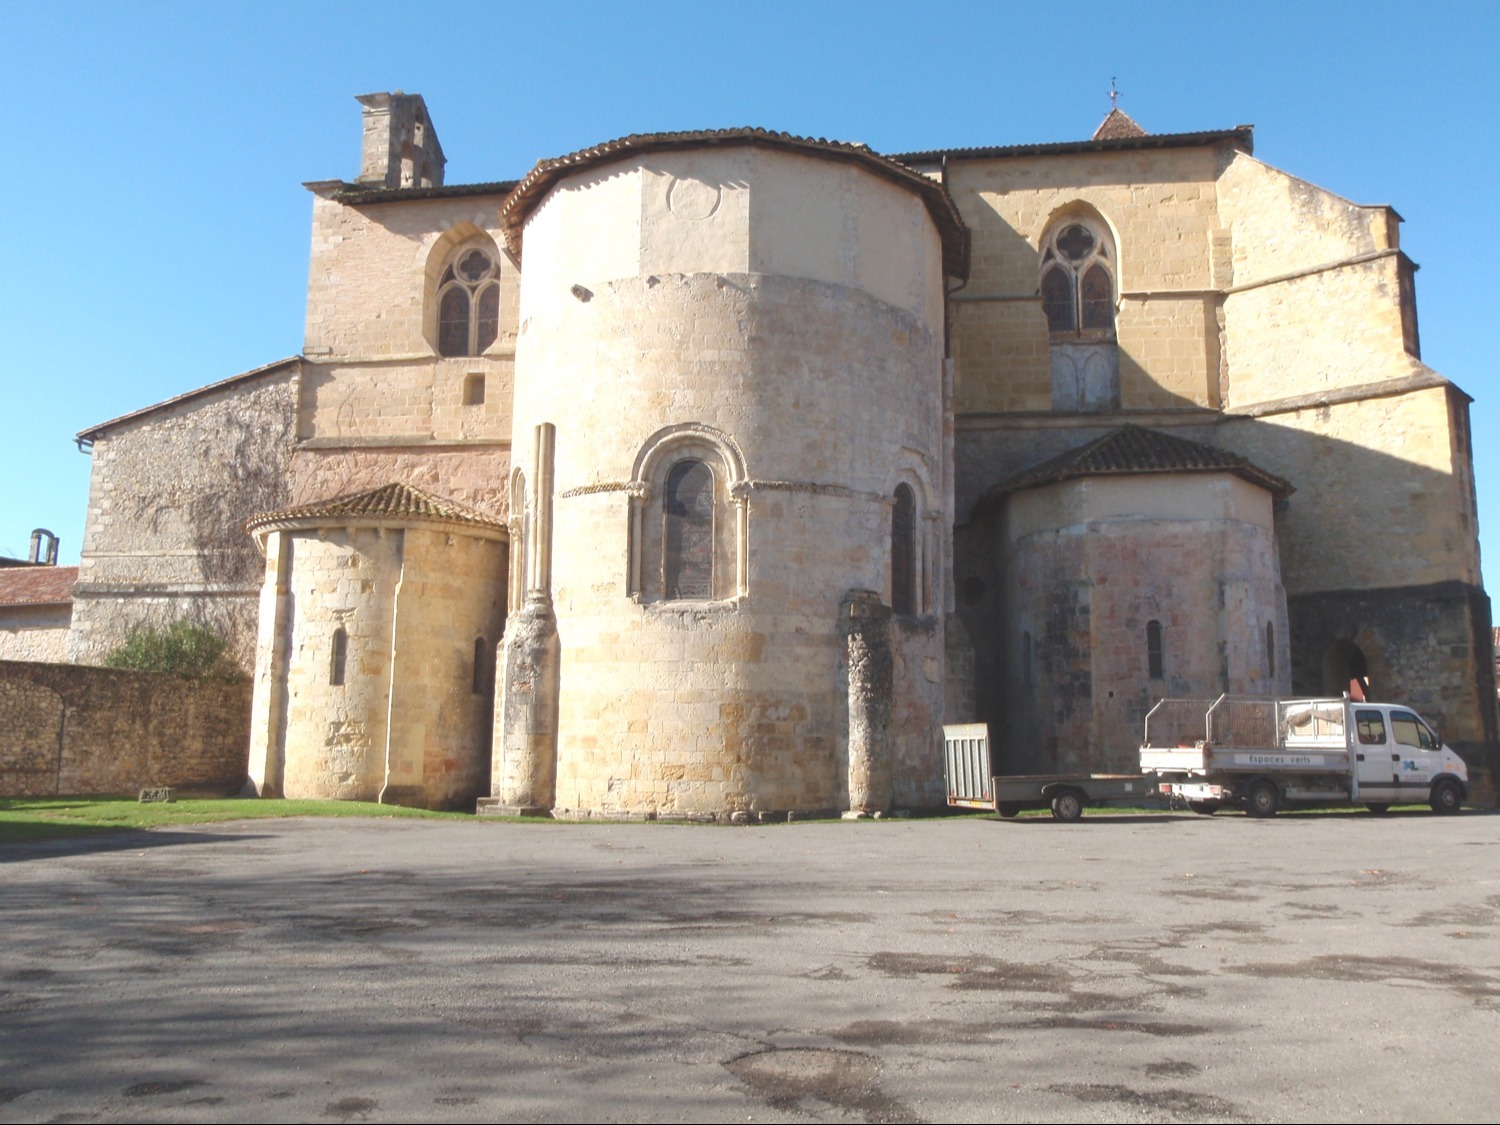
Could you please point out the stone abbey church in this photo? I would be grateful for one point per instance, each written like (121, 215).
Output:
(708, 474)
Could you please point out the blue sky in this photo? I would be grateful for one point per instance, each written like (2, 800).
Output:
(155, 229)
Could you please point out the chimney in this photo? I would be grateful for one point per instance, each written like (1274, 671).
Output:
(400, 147)
(43, 548)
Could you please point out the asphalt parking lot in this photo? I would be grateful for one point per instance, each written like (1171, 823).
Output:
(1152, 968)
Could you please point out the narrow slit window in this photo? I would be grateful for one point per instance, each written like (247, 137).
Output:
(903, 551)
(1155, 665)
(1270, 650)
(482, 667)
(340, 658)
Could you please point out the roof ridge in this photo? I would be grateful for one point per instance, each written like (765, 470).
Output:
(1242, 135)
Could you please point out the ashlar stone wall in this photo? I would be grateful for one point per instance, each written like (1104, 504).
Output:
(1314, 300)
(1168, 343)
(379, 403)
(1088, 566)
(1383, 498)
(67, 730)
(402, 714)
(778, 318)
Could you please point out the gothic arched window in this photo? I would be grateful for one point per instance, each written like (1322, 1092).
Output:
(688, 532)
(1078, 281)
(904, 551)
(469, 303)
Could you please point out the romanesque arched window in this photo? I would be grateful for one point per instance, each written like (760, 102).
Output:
(468, 300)
(689, 517)
(688, 532)
(904, 551)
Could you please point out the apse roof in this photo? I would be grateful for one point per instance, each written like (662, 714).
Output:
(395, 502)
(533, 189)
(1133, 450)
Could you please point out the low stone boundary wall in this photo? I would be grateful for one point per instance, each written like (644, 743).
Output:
(68, 730)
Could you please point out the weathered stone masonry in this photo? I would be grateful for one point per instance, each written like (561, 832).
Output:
(67, 730)
(757, 426)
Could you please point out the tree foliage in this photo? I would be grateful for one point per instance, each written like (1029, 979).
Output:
(183, 648)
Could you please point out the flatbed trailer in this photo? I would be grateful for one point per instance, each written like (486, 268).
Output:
(972, 783)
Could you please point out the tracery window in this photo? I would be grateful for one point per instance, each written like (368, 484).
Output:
(1078, 282)
(1079, 272)
(469, 303)
(688, 532)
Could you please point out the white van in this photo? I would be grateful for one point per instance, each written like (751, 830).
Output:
(1261, 753)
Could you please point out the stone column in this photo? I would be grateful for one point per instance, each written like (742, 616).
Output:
(267, 709)
(865, 624)
(523, 776)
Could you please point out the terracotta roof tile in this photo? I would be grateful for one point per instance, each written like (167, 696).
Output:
(1117, 124)
(389, 501)
(1132, 450)
(37, 585)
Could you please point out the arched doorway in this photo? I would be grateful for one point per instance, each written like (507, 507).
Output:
(1343, 661)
